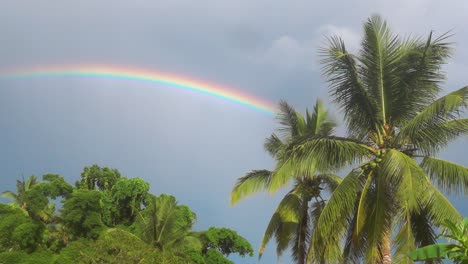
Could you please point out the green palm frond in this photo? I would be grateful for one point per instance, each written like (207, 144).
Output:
(404, 240)
(379, 57)
(273, 145)
(283, 223)
(437, 206)
(338, 210)
(342, 73)
(432, 137)
(451, 177)
(319, 122)
(434, 120)
(418, 75)
(10, 195)
(288, 119)
(423, 229)
(288, 170)
(379, 219)
(253, 182)
(328, 153)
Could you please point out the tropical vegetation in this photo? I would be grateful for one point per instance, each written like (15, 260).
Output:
(106, 218)
(294, 218)
(457, 251)
(391, 200)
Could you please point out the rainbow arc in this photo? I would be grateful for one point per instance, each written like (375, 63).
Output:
(139, 75)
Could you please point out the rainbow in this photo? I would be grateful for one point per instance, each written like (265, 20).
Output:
(139, 75)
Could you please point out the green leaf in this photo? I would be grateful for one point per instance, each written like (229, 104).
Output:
(252, 182)
(431, 252)
(451, 177)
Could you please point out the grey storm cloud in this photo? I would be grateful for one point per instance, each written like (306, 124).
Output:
(185, 144)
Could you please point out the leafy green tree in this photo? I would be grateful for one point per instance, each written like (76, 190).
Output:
(17, 230)
(149, 229)
(389, 203)
(457, 252)
(128, 198)
(54, 186)
(293, 221)
(226, 241)
(95, 177)
(21, 188)
(81, 214)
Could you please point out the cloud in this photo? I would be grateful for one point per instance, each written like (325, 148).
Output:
(287, 52)
(350, 36)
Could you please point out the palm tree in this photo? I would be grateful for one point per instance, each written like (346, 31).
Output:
(390, 201)
(294, 218)
(167, 225)
(21, 188)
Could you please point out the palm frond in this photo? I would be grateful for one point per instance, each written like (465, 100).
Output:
(10, 195)
(288, 119)
(329, 153)
(319, 122)
(418, 75)
(432, 137)
(341, 71)
(451, 177)
(379, 58)
(283, 223)
(437, 206)
(435, 119)
(273, 145)
(338, 210)
(252, 182)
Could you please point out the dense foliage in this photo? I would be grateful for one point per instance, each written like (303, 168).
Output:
(106, 218)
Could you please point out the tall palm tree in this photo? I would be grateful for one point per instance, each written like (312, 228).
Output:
(294, 218)
(390, 201)
(21, 188)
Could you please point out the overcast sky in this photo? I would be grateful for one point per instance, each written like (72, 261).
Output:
(188, 145)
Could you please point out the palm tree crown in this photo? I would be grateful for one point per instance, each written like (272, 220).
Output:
(396, 125)
(21, 188)
(294, 218)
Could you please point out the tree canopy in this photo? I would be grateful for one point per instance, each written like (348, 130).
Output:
(106, 218)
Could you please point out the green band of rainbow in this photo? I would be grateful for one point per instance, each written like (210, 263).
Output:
(139, 75)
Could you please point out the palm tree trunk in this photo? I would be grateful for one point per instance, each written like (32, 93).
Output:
(386, 249)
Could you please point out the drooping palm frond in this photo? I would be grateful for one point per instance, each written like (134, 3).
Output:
(11, 195)
(338, 210)
(437, 206)
(431, 138)
(252, 182)
(283, 223)
(449, 176)
(438, 121)
(329, 153)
